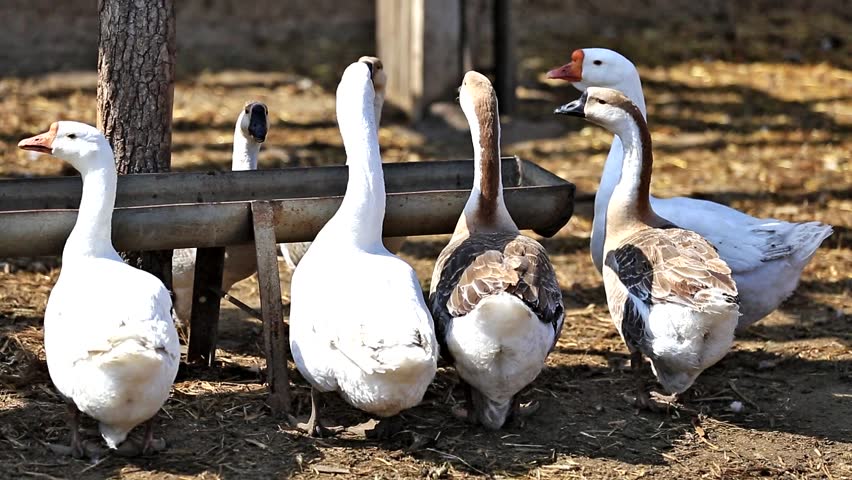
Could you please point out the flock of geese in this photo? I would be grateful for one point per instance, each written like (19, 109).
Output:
(680, 274)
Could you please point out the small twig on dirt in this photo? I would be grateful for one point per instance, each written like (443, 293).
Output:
(703, 439)
(40, 475)
(100, 461)
(669, 457)
(570, 466)
(738, 392)
(584, 311)
(713, 399)
(233, 469)
(256, 443)
(330, 469)
(450, 455)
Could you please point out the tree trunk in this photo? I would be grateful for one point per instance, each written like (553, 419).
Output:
(136, 71)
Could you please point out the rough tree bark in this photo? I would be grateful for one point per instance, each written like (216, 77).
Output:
(136, 70)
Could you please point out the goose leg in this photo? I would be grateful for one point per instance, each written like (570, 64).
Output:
(386, 428)
(74, 423)
(643, 398)
(76, 449)
(147, 445)
(313, 427)
(462, 412)
(522, 411)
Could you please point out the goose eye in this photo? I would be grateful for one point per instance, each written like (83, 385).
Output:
(72, 136)
(247, 108)
(602, 102)
(598, 62)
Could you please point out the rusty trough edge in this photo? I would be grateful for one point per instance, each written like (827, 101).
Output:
(267, 184)
(545, 207)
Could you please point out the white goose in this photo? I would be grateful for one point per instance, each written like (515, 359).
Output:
(358, 322)
(293, 252)
(240, 260)
(109, 337)
(669, 294)
(766, 255)
(494, 296)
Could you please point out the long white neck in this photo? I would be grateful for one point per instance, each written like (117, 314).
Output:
(378, 105)
(632, 87)
(245, 152)
(92, 233)
(363, 209)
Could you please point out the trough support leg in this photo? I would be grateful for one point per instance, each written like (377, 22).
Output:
(274, 337)
(204, 321)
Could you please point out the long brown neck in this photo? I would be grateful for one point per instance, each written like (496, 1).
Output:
(485, 210)
(630, 205)
(488, 164)
(643, 192)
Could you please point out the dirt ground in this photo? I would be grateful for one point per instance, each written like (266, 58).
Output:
(759, 119)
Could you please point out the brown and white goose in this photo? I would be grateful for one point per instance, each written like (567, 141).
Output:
(494, 298)
(669, 294)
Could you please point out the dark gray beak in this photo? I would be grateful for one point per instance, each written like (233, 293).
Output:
(575, 108)
(257, 122)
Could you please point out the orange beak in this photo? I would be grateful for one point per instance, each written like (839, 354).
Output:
(42, 143)
(571, 72)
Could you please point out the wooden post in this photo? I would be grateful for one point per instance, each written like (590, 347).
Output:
(504, 56)
(419, 42)
(204, 320)
(136, 74)
(275, 340)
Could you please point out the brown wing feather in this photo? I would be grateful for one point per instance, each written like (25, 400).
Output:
(473, 268)
(670, 265)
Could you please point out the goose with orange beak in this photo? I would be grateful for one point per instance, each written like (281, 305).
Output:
(766, 255)
(110, 341)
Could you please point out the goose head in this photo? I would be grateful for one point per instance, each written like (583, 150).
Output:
(479, 103)
(362, 81)
(606, 107)
(377, 73)
(380, 81)
(253, 122)
(597, 67)
(76, 143)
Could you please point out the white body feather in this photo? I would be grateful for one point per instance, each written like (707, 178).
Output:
(500, 347)
(111, 344)
(372, 340)
(684, 341)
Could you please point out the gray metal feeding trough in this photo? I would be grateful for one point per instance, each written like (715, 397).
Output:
(212, 210)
